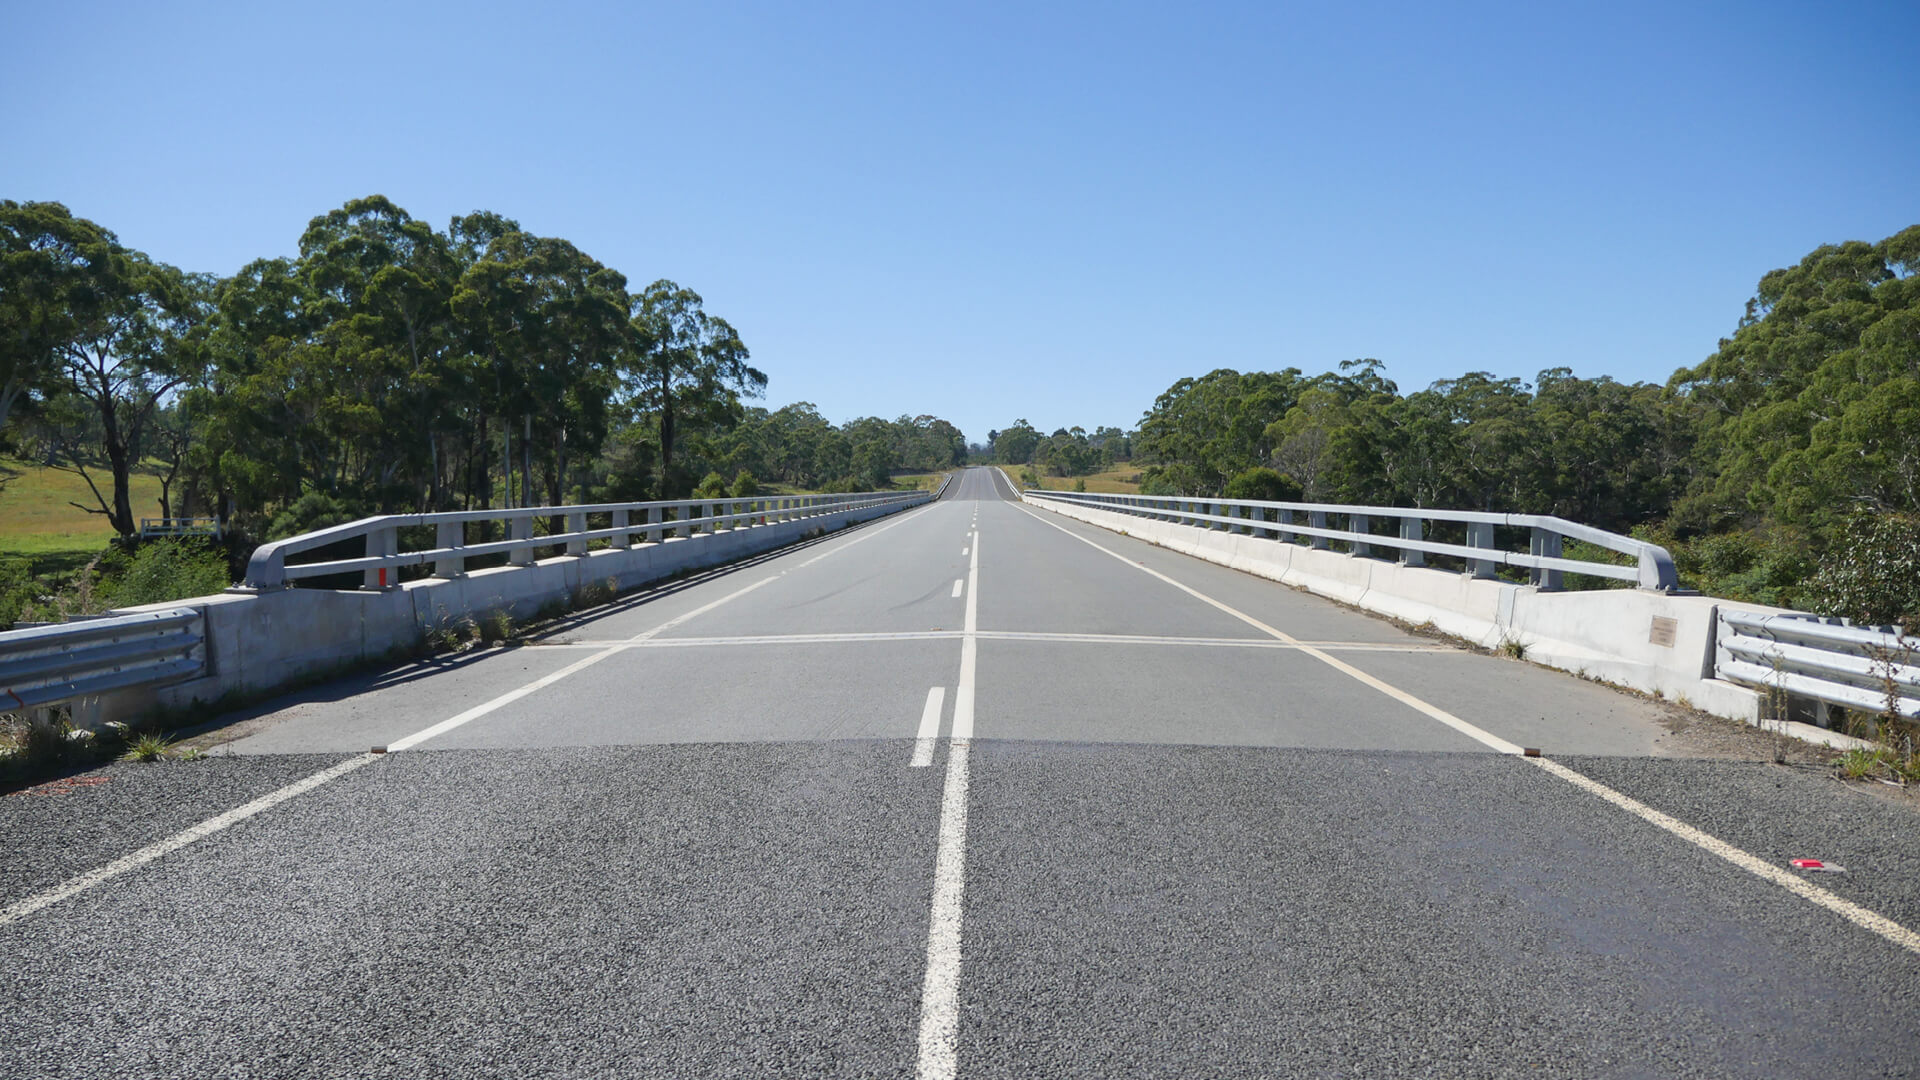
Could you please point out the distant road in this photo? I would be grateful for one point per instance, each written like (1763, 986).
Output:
(972, 790)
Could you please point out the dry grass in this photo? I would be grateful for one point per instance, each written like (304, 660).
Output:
(1119, 480)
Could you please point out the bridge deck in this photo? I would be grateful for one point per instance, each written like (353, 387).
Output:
(1206, 825)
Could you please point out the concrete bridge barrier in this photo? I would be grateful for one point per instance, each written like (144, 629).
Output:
(259, 638)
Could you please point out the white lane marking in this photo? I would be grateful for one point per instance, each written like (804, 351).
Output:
(959, 585)
(1480, 735)
(929, 728)
(969, 650)
(940, 994)
(1862, 917)
(511, 696)
(22, 908)
(1806, 890)
(866, 536)
(757, 639)
(1212, 643)
(1039, 636)
(963, 551)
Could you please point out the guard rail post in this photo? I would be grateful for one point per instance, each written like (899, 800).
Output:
(521, 528)
(577, 523)
(1362, 524)
(1480, 535)
(450, 534)
(1545, 543)
(1317, 519)
(1415, 530)
(383, 540)
(622, 518)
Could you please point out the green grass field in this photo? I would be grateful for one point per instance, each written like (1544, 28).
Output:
(38, 524)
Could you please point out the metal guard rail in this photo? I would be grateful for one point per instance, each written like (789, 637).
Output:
(269, 569)
(48, 664)
(1653, 567)
(1851, 666)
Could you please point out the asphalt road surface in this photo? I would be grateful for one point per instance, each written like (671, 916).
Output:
(975, 791)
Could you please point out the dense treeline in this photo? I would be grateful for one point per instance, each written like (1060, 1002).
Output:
(1784, 468)
(1066, 452)
(392, 367)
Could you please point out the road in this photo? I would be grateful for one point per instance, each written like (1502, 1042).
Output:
(972, 790)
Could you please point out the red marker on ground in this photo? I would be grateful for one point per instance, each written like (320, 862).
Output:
(1815, 864)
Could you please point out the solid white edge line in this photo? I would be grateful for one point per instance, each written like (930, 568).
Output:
(73, 886)
(929, 732)
(22, 908)
(1859, 916)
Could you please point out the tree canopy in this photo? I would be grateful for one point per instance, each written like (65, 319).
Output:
(391, 366)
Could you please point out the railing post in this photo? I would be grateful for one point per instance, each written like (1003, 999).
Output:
(1317, 519)
(576, 523)
(1360, 523)
(381, 540)
(1286, 518)
(1546, 543)
(1480, 535)
(1415, 529)
(621, 519)
(520, 528)
(450, 534)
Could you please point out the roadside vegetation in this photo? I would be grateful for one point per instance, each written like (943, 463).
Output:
(1782, 469)
(389, 367)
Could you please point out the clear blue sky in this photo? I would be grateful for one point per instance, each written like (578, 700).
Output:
(1051, 212)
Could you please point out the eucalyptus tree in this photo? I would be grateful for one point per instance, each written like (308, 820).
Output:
(55, 271)
(687, 363)
(107, 334)
(381, 282)
(550, 328)
(265, 404)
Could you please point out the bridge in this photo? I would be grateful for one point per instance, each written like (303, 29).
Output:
(974, 786)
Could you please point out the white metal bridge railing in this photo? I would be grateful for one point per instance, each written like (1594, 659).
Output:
(1409, 538)
(381, 557)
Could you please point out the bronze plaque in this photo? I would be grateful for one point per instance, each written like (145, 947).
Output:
(1663, 631)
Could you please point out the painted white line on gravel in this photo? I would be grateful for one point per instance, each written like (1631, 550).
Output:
(959, 584)
(1806, 890)
(74, 886)
(940, 993)
(1853, 913)
(929, 731)
(20, 909)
